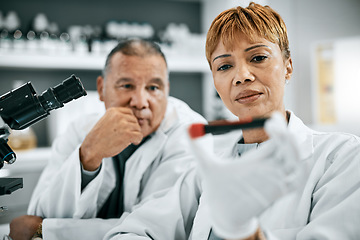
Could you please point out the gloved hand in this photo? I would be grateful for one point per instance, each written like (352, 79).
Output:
(238, 191)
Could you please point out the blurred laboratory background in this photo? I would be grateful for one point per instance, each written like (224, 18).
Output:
(46, 41)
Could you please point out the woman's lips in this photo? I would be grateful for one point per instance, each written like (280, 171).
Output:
(248, 96)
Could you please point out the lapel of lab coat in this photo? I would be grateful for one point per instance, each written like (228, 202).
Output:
(291, 212)
(138, 164)
(304, 136)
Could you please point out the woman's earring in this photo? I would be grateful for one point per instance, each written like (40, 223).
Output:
(287, 81)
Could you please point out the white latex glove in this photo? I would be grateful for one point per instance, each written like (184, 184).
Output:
(238, 191)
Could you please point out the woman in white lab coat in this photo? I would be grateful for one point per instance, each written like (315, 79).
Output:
(248, 52)
(249, 56)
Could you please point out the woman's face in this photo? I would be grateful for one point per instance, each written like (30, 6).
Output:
(250, 78)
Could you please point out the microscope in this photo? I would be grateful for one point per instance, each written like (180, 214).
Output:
(22, 107)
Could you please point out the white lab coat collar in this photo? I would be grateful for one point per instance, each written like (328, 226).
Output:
(302, 132)
(304, 135)
(140, 161)
(171, 116)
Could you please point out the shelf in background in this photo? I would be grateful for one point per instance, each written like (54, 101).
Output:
(85, 61)
(27, 161)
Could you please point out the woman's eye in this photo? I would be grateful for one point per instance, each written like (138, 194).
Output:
(259, 58)
(224, 67)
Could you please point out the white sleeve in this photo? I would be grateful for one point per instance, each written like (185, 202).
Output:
(165, 215)
(335, 201)
(60, 179)
(58, 192)
(334, 208)
(89, 229)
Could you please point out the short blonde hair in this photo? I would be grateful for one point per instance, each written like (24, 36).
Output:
(253, 21)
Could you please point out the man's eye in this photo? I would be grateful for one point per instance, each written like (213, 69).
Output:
(153, 88)
(124, 86)
(224, 67)
(259, 58)
(127, 86)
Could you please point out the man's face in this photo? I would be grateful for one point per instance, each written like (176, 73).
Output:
(139, 83)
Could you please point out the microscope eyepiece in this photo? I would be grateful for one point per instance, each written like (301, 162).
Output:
(64, 92)
(22, 107)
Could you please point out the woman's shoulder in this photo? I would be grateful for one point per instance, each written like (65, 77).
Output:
(322, 144)
(297, 126)
(337, 141)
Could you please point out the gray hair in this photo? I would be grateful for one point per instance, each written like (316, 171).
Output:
(134, 47)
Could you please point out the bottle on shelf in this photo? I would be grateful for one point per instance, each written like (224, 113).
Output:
(40, 25)
(11, 35)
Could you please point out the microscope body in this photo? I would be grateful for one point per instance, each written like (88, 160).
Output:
(7, 185)
(22, 107)
(6, 153)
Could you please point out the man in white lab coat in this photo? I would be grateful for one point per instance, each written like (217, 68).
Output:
(102, 167)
